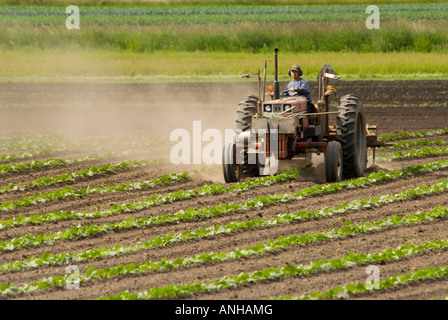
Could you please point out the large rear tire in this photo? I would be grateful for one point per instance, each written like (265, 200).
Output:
(247, 108)
(351, 133)
(334, 162)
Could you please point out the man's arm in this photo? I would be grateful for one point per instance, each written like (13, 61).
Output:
(303, 87)
(299, 86)
(288, 86)
(304, 90)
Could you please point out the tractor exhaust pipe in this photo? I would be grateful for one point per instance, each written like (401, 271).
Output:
(276, 84)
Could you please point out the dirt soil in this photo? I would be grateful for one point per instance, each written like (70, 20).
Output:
(115, 109)
(112, 110)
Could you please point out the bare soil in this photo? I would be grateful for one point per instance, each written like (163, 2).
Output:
(113, 110)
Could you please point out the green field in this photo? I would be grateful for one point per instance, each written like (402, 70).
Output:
(403, 36)
(222, 14)
(203, 2)
(218, 40)
(101, 65)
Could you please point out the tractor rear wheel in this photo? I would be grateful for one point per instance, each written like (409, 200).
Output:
(247, 107)
(231, 170)
(351, 133)
(333, 162)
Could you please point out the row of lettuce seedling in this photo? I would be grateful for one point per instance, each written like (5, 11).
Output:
(47, 144)
(273, 274)
(25, 155)
(213, 189)
(416, 143)
(69, 192)
(191, 213)
(269, 246)
(418, 134)
(49, 259)
(356, 289)
(414, 153)
(75, 176)
(36, 164)
(57, 144)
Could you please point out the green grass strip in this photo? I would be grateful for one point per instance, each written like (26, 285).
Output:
(271, 245)
(65, 258)
(36, 164)
(191, 213)
(347, 261)
(355, 289)
(419, 134)
(414, 153)
(76, 176)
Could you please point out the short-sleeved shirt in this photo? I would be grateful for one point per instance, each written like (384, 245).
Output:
(300, 84)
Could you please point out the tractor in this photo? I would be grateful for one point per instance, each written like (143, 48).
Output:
(284, 128)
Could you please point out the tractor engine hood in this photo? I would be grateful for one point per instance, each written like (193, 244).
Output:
(287, 105)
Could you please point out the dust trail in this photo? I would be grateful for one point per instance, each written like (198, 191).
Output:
(120, 111)
(316, 171)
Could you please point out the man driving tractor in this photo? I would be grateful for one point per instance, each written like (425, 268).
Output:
(298, 86)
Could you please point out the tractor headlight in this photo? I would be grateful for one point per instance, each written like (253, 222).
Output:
(268, 108)
(286, 107)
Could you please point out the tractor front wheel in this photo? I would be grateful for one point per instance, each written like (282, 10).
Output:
(247, 108)
(334, 162)
(231, 170)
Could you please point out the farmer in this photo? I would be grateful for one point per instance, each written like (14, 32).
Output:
(298, 86)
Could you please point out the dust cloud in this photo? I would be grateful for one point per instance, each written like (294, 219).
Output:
(117, 112)
(117, 109)
(114, 111)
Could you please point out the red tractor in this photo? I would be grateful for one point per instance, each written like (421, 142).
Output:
(280, 129)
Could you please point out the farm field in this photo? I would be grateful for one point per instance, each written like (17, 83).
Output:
(92, 205)
(92, 188)
(144, 43)
(219, 13)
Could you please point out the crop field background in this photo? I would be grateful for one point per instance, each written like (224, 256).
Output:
(136, 42)
(88, 191)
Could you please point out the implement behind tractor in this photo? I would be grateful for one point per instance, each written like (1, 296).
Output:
(282, 128)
